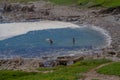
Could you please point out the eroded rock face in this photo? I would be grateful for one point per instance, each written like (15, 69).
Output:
(7, 8)
(112, 53)
(28, 8)
(45, 12)
(18, 7)
(33, 64)
(115, 10)
(20, 64)
(67, 60)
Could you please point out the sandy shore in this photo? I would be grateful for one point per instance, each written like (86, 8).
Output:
(9, 30)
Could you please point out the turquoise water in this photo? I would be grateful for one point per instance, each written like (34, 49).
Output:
(36, 44)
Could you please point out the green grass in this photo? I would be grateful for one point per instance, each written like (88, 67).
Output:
(101, 3)
(85, 3)
(111, 69)
(9, 75)
(64, 2)
(59, 73)
(89, 3)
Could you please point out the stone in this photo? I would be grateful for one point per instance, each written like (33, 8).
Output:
(78, 59)
(7, 8)
(68, 60)
(45, 12)
(112, 53)
(24, 8)
(31, 8)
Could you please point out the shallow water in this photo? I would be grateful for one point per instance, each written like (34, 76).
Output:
(35, 43)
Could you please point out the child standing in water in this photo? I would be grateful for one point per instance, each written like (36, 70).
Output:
(50, 41)
(73, 41)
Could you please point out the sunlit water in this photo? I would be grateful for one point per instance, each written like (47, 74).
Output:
(35, 43)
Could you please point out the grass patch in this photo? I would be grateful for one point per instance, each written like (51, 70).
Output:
(111, 3)
(101, 3)
(64, 2)
(10, 75)
(111, 69)
(85, 3)
(59, 73)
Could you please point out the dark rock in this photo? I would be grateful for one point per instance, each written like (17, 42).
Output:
(7, 8)
(31, 8)
(24, 8)
(112, 53)
(113, 10)
(45, 12)
(60, 18)
(50, 63)
(62, 62)
(78, 59)
(64, 57)
(16, 7)
(67, 60)
(73, 18)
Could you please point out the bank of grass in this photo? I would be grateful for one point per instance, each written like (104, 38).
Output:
(64, 2)
(99, 3)
(84, 3)
(89, 3)
(59, 73)
(111, 69)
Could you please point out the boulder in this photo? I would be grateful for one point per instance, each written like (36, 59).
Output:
(45, 12)
(112, 53)
(73, 18)
(31, 8)
(78, 59)
(24, 8)
(7, 8)
(67, 60)
(50, 63)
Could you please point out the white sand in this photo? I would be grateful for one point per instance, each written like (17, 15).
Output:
(9, 30)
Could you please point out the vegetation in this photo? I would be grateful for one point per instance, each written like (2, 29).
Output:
(85, 3)
(111, 69)
(59, 73)
(89, 3)
(64, 2)
(10, 75)
(102, 3)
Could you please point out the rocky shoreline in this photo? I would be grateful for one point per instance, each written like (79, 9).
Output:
(37, 11)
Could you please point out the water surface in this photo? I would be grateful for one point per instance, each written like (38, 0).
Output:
(35, 43)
